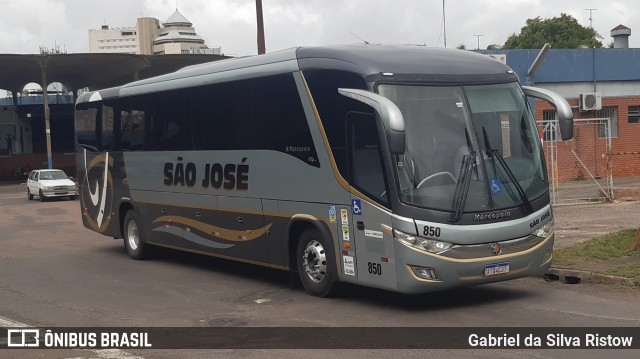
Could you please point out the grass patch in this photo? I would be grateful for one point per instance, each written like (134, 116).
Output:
(631, 270)
(599, 249)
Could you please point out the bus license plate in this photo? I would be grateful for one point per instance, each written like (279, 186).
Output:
(497, 268)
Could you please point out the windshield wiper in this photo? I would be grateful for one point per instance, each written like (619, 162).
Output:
(462, 187)
(493, 153)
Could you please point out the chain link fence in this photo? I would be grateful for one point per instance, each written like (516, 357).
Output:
(580, 170)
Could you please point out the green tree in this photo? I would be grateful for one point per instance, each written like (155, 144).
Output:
(562, 32)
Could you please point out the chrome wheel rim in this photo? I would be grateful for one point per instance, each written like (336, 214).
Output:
(133, 236)
(314, 261)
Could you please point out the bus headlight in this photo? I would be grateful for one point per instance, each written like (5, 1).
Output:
(420, 243)
(544, 231)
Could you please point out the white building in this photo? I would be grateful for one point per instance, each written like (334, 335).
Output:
(122, 40)
(177, 36)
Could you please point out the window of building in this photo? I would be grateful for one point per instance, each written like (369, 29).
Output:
(610, 112)
(634, 114)
(549, 126)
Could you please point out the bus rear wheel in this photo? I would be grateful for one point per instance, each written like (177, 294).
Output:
(134, 241)
(316, 264)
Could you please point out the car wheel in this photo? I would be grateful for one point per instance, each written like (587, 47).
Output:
(73, 197)
(42, 197)
(316, 264)
(134, 241)
(29, 195)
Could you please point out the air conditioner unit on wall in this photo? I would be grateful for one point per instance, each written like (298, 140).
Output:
(590, 102)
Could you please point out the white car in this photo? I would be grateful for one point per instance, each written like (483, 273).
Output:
(50, 183)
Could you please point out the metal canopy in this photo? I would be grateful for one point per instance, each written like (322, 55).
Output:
(95, 71)
(76, 71)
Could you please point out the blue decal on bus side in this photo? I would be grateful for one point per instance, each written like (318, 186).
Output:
(356, 207)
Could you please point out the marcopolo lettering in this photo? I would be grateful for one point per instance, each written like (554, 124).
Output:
(228, 176)
(493, 215)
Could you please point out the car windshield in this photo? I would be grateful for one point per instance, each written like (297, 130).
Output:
(468, 148)
(53, 175)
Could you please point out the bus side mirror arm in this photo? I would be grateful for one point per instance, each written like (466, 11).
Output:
(564, 112)
(387, 111)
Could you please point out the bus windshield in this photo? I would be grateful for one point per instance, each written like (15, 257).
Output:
(468, 148)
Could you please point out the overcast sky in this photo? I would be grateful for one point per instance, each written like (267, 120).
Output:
(25, 25)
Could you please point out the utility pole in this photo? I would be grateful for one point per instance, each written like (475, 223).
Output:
(478, 37)
(261, 47)
(591, 17)
(444, 25)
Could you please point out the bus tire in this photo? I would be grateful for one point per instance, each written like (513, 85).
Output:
(316, 264)
(134, 242)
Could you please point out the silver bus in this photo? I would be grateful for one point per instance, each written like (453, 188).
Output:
(405, 168)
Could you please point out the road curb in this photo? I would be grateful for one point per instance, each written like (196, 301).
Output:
(577, 276)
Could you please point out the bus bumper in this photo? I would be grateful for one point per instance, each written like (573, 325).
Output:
(452, 273)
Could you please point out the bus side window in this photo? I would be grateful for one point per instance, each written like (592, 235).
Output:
(366, 167)
(107, 128)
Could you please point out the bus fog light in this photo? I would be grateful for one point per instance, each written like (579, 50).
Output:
(425, 273)
(420, 243)
(547, 257)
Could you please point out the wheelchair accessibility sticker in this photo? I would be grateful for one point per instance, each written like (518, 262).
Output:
(357, 207)
(496, 185)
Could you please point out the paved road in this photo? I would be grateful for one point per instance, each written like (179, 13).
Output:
(53, 272)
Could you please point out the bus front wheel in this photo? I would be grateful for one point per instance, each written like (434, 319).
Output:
(316, 264)
(134, 242)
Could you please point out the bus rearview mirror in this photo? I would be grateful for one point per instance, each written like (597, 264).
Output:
(564, 114)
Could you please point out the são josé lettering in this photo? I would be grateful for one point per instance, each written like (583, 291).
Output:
(555, 340)
(229, 176)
